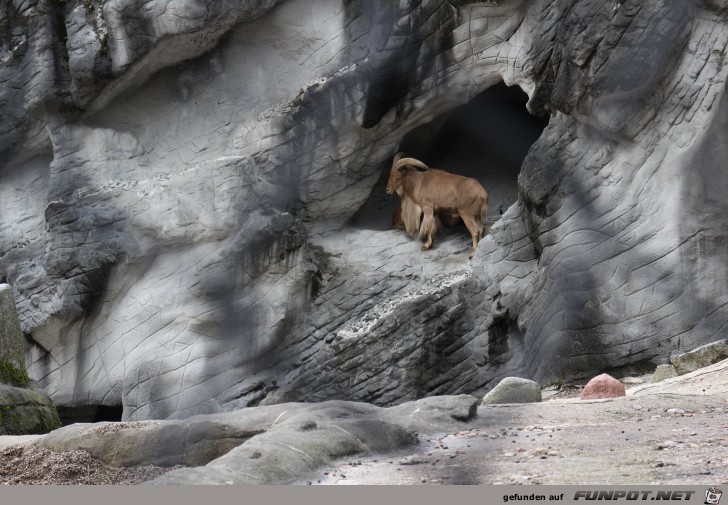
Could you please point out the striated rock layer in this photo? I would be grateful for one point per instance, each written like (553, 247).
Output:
(185, 196)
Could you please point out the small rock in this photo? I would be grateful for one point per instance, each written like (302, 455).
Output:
(663, 372)
(603, 386)
(411, 460)
(514, 390)
(543, 452)
(668, 444)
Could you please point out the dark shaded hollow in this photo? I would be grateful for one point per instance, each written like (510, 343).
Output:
(89, 414)
(487, 139)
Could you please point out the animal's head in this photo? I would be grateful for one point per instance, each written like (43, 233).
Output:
(400, 167)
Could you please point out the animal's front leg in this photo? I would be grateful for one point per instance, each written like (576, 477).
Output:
(428, 227)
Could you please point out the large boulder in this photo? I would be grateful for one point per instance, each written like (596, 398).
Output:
(189, 193)
(25, 411)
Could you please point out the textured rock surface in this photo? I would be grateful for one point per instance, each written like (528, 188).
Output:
(513, 390)
(180, 186)
(12, 359)
(24, 411)
(711, 380)
(603, 386)
(701, 357)
(263, 445)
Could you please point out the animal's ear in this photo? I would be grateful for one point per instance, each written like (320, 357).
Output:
(403, 169)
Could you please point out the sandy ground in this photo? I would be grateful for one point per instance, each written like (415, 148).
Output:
(674, 432)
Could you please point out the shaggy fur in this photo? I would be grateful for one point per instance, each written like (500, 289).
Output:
(413, 214)
(433, 191)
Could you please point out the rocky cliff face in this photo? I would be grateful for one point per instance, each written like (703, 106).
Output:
(192, 208)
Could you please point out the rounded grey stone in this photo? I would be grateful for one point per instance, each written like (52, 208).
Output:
(514, 390)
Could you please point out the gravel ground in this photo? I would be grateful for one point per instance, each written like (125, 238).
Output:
(33, 465)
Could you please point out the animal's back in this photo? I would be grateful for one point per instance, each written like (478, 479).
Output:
(449, 192)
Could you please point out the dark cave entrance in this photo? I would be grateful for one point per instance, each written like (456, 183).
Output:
(89, 414)
(487, 139)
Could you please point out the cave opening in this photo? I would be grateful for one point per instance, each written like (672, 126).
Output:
(89, 414)
(487, 139)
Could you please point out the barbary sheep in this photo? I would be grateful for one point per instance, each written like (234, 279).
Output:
(425, 191)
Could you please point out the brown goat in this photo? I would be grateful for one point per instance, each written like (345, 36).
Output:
(431, 191)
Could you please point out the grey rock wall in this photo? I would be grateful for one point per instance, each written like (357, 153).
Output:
(612, 249)
(178, 182)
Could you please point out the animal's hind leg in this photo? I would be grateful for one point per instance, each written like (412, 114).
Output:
(472, 224)
(481, 227)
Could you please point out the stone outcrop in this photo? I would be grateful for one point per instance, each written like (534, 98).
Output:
(701, 357)
(22, 410)
(12, 358)
(708, 381)
(263, 445)
(189, 196)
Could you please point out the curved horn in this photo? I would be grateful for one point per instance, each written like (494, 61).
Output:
(411, 162)
(397, 157)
